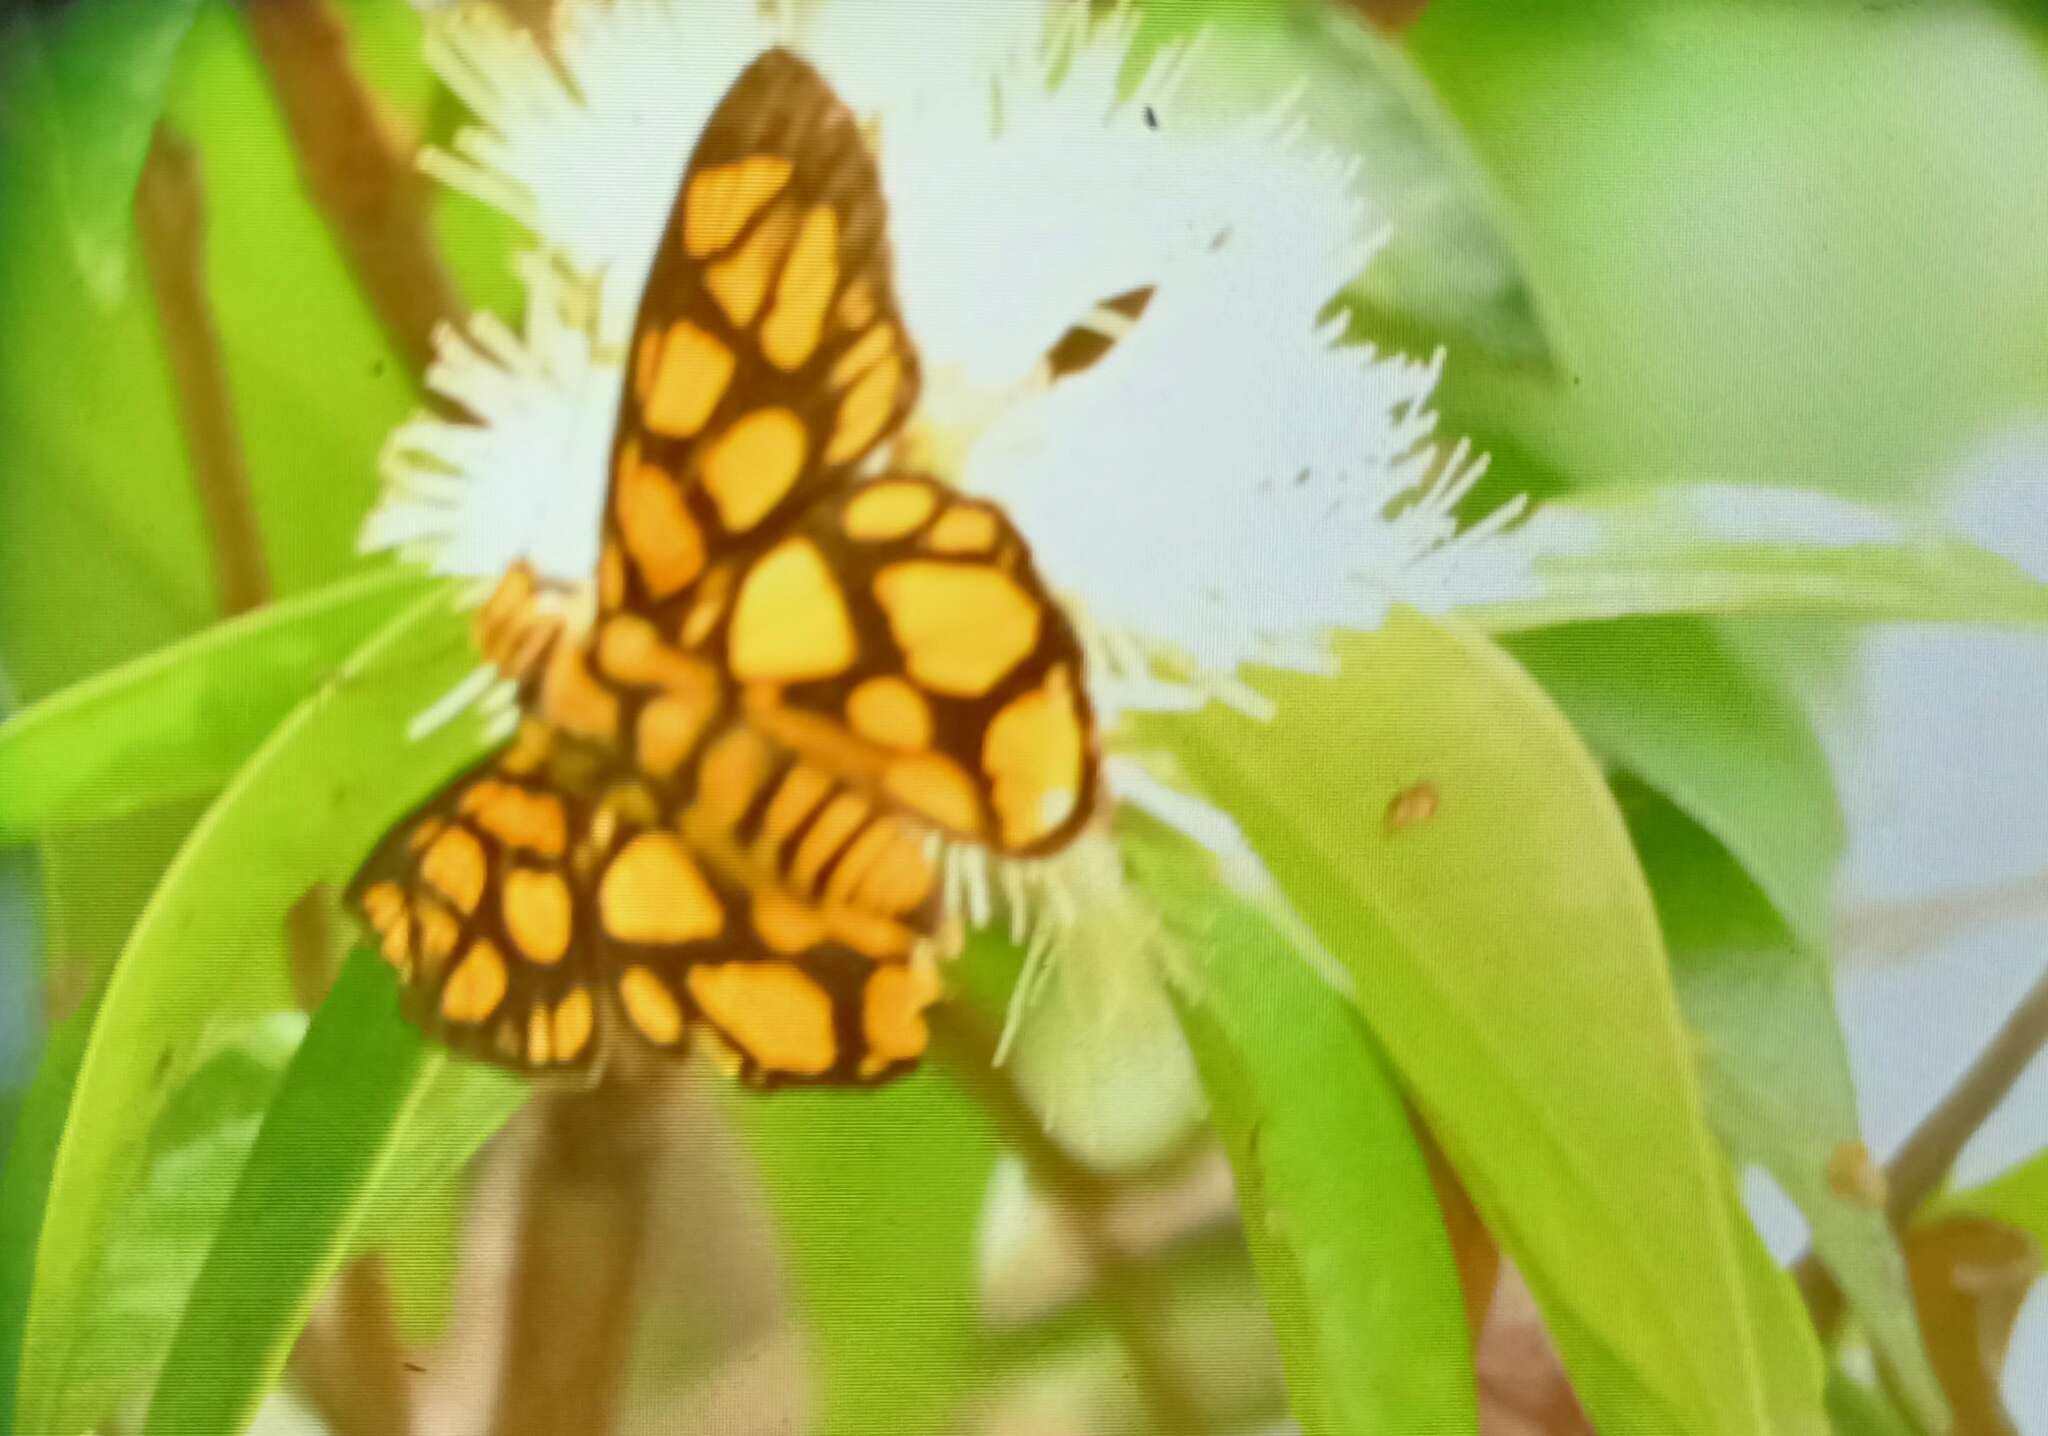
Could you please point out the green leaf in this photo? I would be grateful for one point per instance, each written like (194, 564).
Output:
(187, 1239)
(463, 1104)
(1668, 700)
(1628, 554)
(2017, 1196)
(1793, 1363)
(179, 722)
(104, 67)
(1775, 1070)
(1451, 270)
(1336, 1199)
(326, 1146)
(1446, 839)
(208, 951)
(197, 1148)
(1759, 273)
(1859, 1410)
(879, 1292)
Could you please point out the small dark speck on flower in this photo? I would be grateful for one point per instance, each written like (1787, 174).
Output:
(1151, 118)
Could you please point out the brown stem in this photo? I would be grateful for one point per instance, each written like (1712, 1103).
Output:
(1129, 1291)
(1393, 16)
(349, 1361)
(1891, 931)
(356, 162)
(574, 1287)
(309, 947)
(537, 16)
(170, 223)
(1924, 1161)
(1472, 1245)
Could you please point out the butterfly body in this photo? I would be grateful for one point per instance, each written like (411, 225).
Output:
(794, 677)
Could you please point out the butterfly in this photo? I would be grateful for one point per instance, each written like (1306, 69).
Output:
(802, 668)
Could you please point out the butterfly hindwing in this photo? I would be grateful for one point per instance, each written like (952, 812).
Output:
(476, 900)
(768, 357)
(900, 638)
(553, 896)
(783, 910)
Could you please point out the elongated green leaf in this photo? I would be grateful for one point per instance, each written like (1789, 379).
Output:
(197, 1149)
(463, 1105)
(1332, 1187)
(1775, 1070)
(1446, 839)
(207, 950)
(2017, 1196)
(182, 1219)
(1752, 549)
(1667, 700)
(1859, 1410)
(186, 1240)
(1452, 269)
(180, 721)
(324, 1144)
(105, 67)
(837, 1165)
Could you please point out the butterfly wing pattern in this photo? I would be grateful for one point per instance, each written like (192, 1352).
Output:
(720, 816)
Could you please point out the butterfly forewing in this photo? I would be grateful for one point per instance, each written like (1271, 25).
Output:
(768, 358)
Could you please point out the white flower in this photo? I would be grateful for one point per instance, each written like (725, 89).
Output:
(1226, 485)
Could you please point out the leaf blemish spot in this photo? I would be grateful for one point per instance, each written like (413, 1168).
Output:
(1412, 806)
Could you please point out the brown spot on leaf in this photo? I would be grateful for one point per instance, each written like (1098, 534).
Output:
(1413, 806)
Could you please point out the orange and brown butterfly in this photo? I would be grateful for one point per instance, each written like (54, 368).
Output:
(719, 819)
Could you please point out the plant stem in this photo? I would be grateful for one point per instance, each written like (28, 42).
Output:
(170, 222)
(1893, 931)
(349, 1361)
(357, 165)
(1916, 1172)
(575, 1285)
